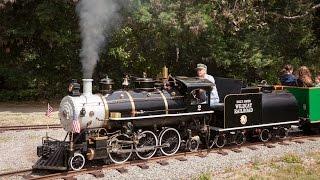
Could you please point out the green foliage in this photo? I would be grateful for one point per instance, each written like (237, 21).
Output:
(39, 45)
(19, 95)
(40, 42)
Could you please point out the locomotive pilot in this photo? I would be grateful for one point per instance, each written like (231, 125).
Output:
(202, 74)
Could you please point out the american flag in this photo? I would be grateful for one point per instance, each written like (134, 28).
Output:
(75, 123)
(49, 111)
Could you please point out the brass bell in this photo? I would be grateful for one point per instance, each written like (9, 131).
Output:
(125, 81)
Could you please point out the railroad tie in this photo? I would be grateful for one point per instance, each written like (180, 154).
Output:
(236, 150)
(223, 153)
(163, 163)
(143, 166)
(69, 178)
(181, 159)
(298, 141)
(27, 176)
(200, 154)
(97, 174)
(252, 147)
(122, 170)
(284, 143)
(268, 145)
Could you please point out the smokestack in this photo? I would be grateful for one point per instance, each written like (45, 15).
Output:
(87, 87)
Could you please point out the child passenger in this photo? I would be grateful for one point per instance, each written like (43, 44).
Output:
(317, 81)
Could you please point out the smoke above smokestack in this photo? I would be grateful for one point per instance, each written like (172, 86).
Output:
(97, 19)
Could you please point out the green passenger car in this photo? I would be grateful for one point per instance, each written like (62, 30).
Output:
(308, 101)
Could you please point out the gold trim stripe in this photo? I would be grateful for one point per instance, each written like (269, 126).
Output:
(165, 101)
(133, 107)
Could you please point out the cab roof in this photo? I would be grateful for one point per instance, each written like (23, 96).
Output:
(191, 83)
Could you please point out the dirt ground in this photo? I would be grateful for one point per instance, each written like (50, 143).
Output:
(27, 113)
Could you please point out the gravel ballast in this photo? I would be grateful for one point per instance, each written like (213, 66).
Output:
(19, 148)
(18, 151)
(214, 163)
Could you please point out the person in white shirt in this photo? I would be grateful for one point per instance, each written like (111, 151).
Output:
(202, 74)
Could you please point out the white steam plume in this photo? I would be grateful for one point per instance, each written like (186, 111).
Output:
(97, 18)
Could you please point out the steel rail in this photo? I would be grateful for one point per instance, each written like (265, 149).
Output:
(15, 172)
(29, 127)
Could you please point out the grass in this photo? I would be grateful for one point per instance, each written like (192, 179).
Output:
(6, 170)
(291, 158)
(12, 114)
(228, 170)
(297, 171)
(288, 167)
(204, 176)
(28, 118)
(256, 163)
(4, 139)
(315, 156)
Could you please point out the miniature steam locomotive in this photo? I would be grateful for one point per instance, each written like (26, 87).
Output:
(162, 115)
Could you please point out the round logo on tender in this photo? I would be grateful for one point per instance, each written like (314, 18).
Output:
(243, 119)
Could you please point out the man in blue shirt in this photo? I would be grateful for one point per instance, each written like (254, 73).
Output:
(202, 74)
(287, 78)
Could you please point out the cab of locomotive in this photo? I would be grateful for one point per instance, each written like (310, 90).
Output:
(197, 92)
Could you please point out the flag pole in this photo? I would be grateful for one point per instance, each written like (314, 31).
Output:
(48, 116)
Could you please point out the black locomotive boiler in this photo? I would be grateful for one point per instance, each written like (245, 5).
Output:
(165, 115)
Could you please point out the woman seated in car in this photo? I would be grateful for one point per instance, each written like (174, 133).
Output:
(304, 77)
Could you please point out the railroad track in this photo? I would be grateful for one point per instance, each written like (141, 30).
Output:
(97, 171)
(15, 172)
(29, 127)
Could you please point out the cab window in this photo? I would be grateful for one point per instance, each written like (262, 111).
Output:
(198, 96)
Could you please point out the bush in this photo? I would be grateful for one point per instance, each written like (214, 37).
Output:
(12, 79)
(19, 95)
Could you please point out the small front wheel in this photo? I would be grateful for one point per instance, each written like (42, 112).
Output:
(220, 140)
(265, 135)
(240, 138)
(76, 162)
(282, 132)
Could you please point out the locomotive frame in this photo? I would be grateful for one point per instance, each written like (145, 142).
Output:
(175, 115)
